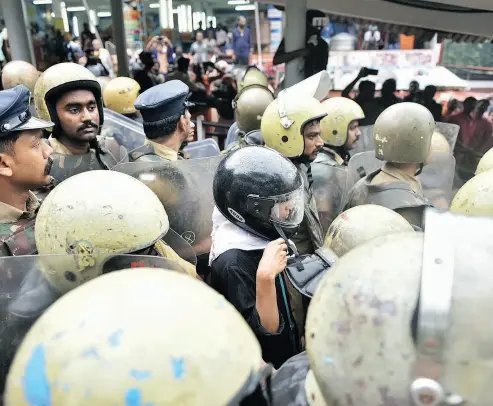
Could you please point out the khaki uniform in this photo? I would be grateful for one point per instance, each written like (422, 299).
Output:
(166, 251)
(394, 189)
(329, 156)
(152, 151)
(17, 228)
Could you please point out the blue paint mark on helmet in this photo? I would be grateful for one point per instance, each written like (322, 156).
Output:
(37, 391)
(140, 375)
(178, 366)
(115, 338)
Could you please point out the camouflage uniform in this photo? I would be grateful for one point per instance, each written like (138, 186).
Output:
(17, 228)
(66, 164)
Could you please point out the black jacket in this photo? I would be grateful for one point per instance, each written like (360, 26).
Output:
(234, 275)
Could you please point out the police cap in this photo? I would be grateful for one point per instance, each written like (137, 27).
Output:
(163, 101)
(15, 114)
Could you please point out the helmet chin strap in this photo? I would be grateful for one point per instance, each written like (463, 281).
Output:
(289, 243)
(420, 169)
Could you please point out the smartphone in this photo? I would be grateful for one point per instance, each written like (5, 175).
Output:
(372, 72)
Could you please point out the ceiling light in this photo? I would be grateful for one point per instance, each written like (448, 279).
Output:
(38, 2)
(81, 8)
(102, 14)
(154, 5)
(233, 2)
(245, 7)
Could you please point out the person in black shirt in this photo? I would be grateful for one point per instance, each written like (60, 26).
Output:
(259, 197)
(316, 51)
(430, 103)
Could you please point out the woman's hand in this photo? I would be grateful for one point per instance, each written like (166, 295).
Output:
(274, 260)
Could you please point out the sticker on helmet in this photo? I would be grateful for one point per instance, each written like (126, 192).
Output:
(236, 215)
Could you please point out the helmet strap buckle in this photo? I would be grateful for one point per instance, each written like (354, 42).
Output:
(285, 121)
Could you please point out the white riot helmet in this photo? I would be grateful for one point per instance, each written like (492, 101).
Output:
(405, 319)
(137, 337)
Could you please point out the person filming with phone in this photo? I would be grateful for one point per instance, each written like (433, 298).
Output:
(366, 96)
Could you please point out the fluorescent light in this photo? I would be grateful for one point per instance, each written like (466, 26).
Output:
(75, 25)
(63, 9)
(52, 14)
(234, 2)
(78, 8)
(102, 14)
(154, 5)
(245, 7)
(38, 2)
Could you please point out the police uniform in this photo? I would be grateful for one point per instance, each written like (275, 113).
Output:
(402, 135)
(157, 104)
(17, 226)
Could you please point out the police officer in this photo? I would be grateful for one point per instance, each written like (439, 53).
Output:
(24, 166)
(291, 126)
(402, 137)
(70, 96)
(340, 130)
(476, 196)
(486, 162)
(251, 78)
(167, 122)
(119, 215)
(163, 338)
(363, 223)
(120, 95)
(250, 106)
(403, 319)
(21, 73)
(17, 73)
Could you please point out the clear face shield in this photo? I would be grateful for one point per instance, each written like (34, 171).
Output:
(285, 210)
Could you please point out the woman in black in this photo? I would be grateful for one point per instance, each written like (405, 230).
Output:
(259, 198)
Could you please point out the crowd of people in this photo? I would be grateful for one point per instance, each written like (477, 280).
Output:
(284, 270)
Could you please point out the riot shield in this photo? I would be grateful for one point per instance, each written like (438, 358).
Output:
(27, 290)
(125, 131)
(329, 188)
(185, 190)
(437, 179)
(360, 165)
(449, 131)
(365, 142)
(180, 246)
(202, 149)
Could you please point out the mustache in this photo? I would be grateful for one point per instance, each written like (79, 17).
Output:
(48, 166)
(89, 124)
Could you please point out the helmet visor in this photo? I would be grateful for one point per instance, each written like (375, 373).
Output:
(288, 208)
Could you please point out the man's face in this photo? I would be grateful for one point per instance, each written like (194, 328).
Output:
(199, 37)
(313, 141)
(188, 127)
(28, 164)
(242, 21)
(413, 87)
(96, 45)
(353, 134)
(79, 115)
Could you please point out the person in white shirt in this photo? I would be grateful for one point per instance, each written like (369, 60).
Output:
(372, 38)
(104, 55)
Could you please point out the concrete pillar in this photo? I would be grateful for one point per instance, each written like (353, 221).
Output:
(14, 14)
(56, 7)
(294, 39)
(119, 37)
(166, 14)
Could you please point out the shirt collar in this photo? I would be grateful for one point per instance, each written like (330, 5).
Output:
(9, 213)
(163, 151)
(391, 170)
